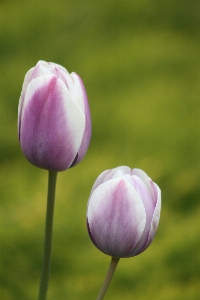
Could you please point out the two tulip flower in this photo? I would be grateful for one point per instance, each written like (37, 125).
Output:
(54, 129)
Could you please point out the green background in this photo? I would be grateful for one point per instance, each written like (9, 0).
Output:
(140, 63)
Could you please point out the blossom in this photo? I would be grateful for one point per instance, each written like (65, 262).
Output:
(123, 212)
(54, 125)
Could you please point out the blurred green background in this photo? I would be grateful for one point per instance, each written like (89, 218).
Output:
(140, 63)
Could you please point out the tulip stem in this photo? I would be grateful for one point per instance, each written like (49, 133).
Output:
(109, 275)
(48, 236)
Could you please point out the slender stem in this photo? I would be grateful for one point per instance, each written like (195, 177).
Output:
(48, 236)
(109, 275)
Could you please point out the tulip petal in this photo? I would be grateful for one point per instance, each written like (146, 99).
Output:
(144, 177)
(100, 179)
(155, 220)
(148, 202)
(80, 95)
(27, 79)
(116, 217)
(51, 124)
(117, 173)
(107, 175)
(42, 68)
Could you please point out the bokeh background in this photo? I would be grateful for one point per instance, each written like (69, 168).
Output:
(140, 63)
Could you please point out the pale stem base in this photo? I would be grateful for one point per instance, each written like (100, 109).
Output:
(44, 280)
(109, 275)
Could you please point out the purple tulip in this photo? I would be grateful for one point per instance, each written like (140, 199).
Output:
(54, 124)
(123, 212)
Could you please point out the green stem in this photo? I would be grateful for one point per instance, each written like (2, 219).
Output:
(110, 273)
(48, 236)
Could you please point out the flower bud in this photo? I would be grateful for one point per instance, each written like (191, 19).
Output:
(54, 125)
(123, 212)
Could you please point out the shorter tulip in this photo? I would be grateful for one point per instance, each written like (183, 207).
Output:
(123, 212)
(54, 125)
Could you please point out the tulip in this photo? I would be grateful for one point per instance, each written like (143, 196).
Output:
(123, 212)
(54, 125)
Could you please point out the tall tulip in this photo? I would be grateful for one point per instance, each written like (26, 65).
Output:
(54, 125)
(54, 130)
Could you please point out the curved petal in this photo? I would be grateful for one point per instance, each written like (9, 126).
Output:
(116, 217)
(80, 96)
(52, 66)
(149, 206)
(51, 138)
(154, 222)
(100, 180)
(118, 172)
(110, 174)
(66, 78)
(27, 79)
(144, 177)
(41, 69)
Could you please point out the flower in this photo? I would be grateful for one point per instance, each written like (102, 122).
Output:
(54, 125)
(123, 212)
